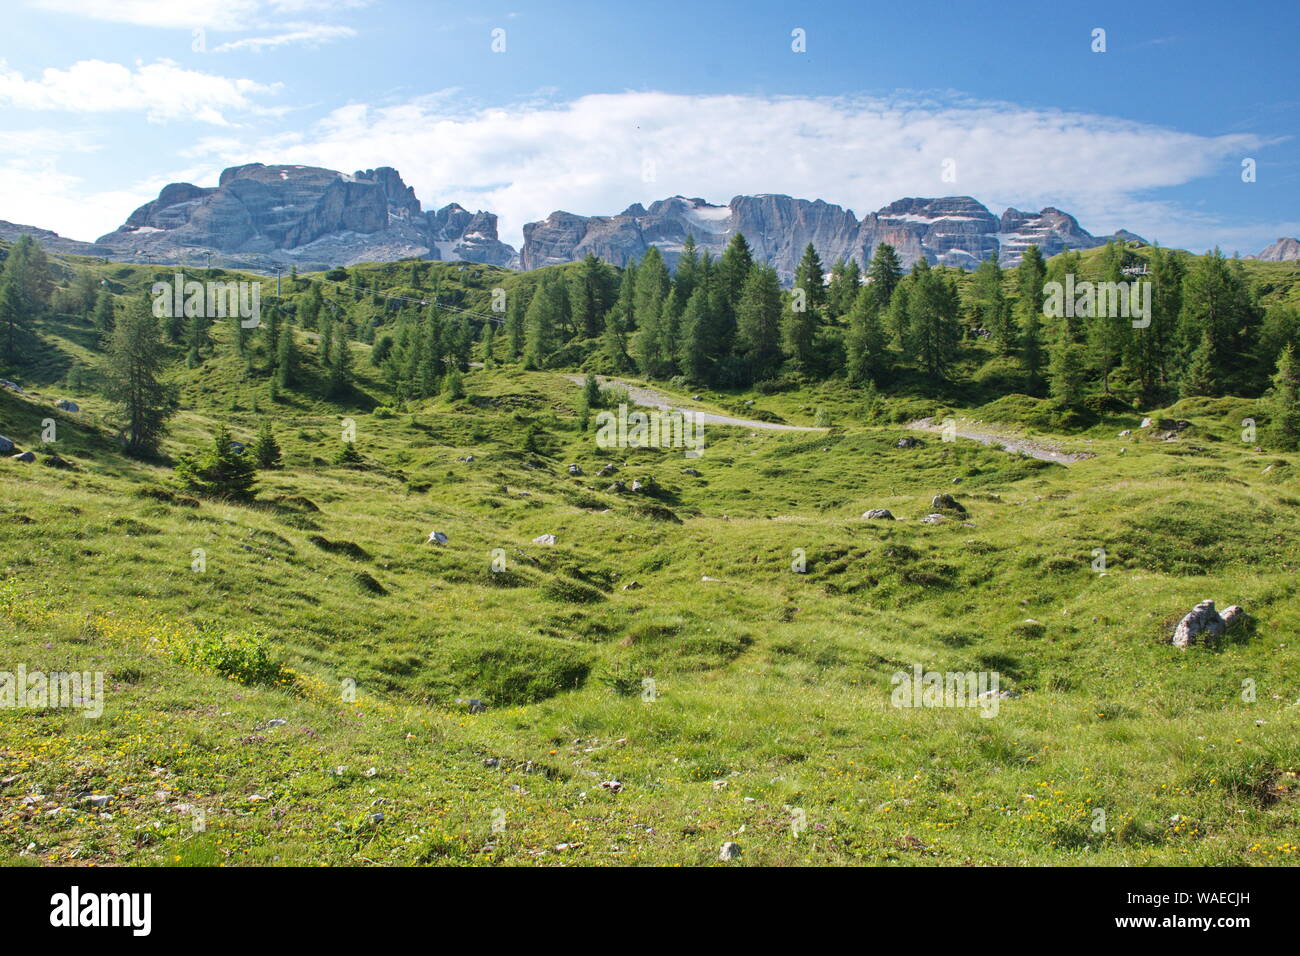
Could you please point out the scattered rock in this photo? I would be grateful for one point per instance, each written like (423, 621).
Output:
(696, 398)
(436, 537)
(908, 442)
(25, 456)
(946, 502)
(54, 461)
(575, 469)
(617, 486)
(932, 519)
(547, 539)
(67, 405)
(6, 445)
(632, 586)
(1125, 433)
(276, 722)
(1146, 423)
(707, 578)
(691, 471)
(465, 458)
(607, 471)
(1204, 625)
(730, 851)
(476, 706)
(883, 514)
(638, 485)
(12, 386)
(97, 800)
(613, 786)
(491, 762)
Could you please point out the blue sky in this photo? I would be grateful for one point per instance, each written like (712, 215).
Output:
(593, 106)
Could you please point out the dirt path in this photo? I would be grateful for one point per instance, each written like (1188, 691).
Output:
(1009, 443)
(650, 398)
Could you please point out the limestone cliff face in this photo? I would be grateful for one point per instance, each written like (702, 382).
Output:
(953, 230)
(304, 215)
(1284, 250)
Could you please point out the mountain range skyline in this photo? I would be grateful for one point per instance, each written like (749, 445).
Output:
(509, 110)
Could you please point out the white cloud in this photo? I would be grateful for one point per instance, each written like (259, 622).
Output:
(588, 156)
(162, 91)
(307, 34)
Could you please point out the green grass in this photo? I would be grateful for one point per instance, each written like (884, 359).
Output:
(773, 688)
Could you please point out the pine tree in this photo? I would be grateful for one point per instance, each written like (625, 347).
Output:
(1216, 300)
(687, 268)
(513, 327)
(1108, 335)
(540, 324)
(1031, 275)
(1155, 345)
(340, 365)
(1202, 374)
(12, 314)
(28, 268)
(453, 385)
(1284, 402)
(699, 348)
(266, 450)
(131, 374)
(613, 343)
(590, 296)
(990, 305)
(846, 282)
(884, 272)
(810, 276)
(489, 340)
(103, 315)
(932, 328)
(652, 284)
(758, 323)
(866, 359)
(799, 324)
(309, 309)
(1067, 374)
(624, 305)
(221, 472)
(286, 357)
(733, 271)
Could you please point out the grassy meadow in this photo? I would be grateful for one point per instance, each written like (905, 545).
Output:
(230, 634)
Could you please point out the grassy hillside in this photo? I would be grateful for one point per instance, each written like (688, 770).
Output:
(226, 688)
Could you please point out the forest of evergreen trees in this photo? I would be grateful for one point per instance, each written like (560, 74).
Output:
(725, 323)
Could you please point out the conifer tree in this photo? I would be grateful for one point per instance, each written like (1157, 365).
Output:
(884, 272)
(1284, 402)
(758, 323)
(132, 370)
(866, 359)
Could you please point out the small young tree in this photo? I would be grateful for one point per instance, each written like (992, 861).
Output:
(223, 471)
(266, 449)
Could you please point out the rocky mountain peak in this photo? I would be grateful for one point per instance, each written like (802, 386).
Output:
(263, 216)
